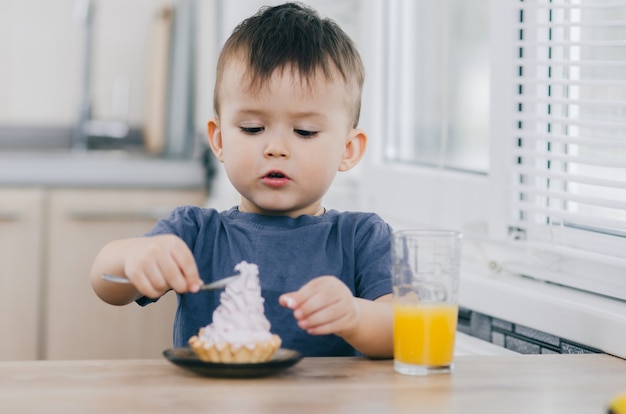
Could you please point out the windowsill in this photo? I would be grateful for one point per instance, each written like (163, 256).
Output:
(469, 345)
(586, 318)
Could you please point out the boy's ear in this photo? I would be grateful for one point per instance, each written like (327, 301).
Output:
(215, 138)
(355, 149)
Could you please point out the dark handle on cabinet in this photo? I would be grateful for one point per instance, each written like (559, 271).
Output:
(9, 215)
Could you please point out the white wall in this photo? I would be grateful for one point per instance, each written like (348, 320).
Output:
(41, 58)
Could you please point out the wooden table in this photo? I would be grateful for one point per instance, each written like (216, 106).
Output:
(479, 384)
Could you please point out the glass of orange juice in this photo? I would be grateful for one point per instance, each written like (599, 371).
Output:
(425, 271)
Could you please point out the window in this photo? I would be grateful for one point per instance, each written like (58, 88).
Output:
(437, 83)
(569, 148)
(551, 203)
(571, 140)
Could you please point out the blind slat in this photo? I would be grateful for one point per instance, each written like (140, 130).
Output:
(571, 43)
(589, 24)
(568, 177)
(571, 82)
(573, 159)
(565, 196)
(595, 142)
(571, 63)
(573, 102)
(564, 216)
(554, 119)
(549, 5)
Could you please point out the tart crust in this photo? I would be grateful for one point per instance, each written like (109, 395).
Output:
(229, 353)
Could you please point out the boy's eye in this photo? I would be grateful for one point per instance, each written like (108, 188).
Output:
(305, 134)
(252, 130)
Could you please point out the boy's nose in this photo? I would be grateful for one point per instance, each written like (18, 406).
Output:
(277, 147)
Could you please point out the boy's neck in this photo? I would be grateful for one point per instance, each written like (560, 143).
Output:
(320, 212)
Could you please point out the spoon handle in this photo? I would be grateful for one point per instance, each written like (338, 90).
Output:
(220, 284)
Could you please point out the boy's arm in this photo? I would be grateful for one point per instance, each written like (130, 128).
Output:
(373, 334)
(325, 305)
(154, 265)
(111, 259)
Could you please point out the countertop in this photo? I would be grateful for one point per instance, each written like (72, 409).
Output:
(479, 384)
(95, 169)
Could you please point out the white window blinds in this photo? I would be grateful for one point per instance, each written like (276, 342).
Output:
(569, 147)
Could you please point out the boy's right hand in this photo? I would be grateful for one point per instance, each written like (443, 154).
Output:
(160, 263)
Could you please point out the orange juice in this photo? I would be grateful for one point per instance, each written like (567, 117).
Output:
(424, 333)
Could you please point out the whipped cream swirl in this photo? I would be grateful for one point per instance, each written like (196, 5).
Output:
(240, 318)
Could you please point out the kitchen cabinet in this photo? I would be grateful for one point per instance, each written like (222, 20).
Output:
(78, 324)
(48, 240)
(21, 246)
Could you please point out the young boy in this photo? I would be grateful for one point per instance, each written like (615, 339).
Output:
(287, 102)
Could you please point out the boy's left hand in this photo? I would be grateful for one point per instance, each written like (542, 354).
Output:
(323, 306)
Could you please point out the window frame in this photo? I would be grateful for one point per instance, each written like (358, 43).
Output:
(469, 195)
(480, 205)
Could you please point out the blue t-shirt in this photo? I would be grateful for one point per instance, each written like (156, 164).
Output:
(355, 247)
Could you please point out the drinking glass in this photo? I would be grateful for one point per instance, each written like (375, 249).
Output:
(425, 272)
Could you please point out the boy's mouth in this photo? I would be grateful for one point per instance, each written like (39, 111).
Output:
(275, 175)
(275, 179)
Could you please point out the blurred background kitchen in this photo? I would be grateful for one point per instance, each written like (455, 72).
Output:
(103, 111)
(503, 119)
(99, 75)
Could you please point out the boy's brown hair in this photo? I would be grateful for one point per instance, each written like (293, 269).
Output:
(293, 35)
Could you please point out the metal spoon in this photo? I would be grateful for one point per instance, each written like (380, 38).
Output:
(220, 284)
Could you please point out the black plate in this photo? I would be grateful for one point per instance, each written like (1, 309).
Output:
(187, 359)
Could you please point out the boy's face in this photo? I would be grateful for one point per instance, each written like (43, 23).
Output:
(282, 145)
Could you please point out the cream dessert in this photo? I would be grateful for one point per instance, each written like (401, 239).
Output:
(240, 332)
